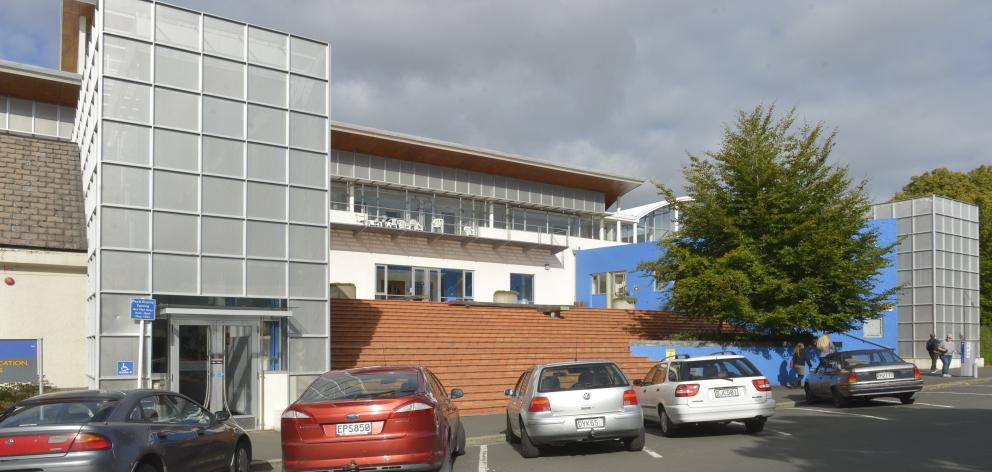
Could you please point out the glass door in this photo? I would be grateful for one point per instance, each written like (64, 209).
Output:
(216, 364)
(192, 372)
(238, 371)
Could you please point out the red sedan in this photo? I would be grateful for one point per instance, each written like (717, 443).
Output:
(400, 418)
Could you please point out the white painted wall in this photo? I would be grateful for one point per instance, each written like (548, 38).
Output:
(275, 399)
(354, 256)
(48, 301)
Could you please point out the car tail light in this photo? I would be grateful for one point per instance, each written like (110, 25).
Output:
(295, 416)
(412, 408)
(916, 373)
(762, 385)
(89, 442)
(852, 378)
(539, 405)
(629, 398)
(687, 390)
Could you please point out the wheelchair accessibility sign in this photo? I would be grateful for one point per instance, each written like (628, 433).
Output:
(125, 368)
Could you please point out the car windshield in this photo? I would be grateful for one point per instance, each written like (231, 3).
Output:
(857, 358)
(580, 377)
(53, 413)
(718, 369)
(362, 385)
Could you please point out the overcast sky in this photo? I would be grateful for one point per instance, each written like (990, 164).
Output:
(630, 86)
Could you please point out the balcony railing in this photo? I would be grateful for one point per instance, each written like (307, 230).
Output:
(448, 225)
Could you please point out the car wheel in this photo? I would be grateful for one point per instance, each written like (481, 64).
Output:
(460, 443)
(839, 400)
(635, 443)
(510, 436)
(527, 447)
(754, 426)
(907, 399)
(668, 427)
(810, 398)
(241, 460)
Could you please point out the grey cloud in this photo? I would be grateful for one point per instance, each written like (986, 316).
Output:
(630, 87)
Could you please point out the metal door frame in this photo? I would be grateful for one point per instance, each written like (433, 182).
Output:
(215, 336)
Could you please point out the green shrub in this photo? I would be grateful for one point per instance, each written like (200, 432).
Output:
(11, 393)
(506, 292)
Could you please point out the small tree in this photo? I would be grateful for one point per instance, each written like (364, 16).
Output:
(774, 238)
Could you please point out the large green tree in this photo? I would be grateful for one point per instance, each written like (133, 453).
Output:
(973, 187)
(774, 238)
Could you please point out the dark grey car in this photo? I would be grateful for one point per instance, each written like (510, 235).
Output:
(863, 374)
(119, 431)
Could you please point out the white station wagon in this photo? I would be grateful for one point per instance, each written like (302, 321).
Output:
(718, 388)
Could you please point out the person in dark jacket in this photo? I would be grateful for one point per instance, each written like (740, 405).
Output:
(932, 345)
(800, 359)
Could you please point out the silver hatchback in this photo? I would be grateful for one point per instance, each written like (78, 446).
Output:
(566, 402)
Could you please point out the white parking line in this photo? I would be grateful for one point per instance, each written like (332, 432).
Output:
(842, 413)
(483, 458)
(783, 433)
(960, 393)
(652, 453)
(897, 402)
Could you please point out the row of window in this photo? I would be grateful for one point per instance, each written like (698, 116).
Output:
(133, 102)
(366, 167)
(615, 283)
(441, 285)
(28, 116)
(182, 29)
(453, 215)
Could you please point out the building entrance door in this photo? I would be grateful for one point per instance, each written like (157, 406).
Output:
(216, 364)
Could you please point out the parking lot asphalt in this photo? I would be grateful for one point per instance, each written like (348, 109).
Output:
(947, 429)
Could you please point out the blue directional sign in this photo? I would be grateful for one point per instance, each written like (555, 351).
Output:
(125, 368)
(18, 360)
(143, 309)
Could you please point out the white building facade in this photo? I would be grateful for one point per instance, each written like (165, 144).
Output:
(415, 218)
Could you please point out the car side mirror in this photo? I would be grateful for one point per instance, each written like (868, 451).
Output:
(456, 393)
(508, 392)
(222, 415)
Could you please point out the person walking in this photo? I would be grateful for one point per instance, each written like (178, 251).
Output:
(800, 359)
(824, 346)
(932, 344)
(946, 351)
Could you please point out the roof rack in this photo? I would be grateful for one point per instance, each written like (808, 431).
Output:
(724, 353)
(676, 356)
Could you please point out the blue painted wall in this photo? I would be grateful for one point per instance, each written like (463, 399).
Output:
(616, 259)
(771, 360)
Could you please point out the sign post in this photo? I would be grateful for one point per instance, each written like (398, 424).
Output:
(142, 309)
